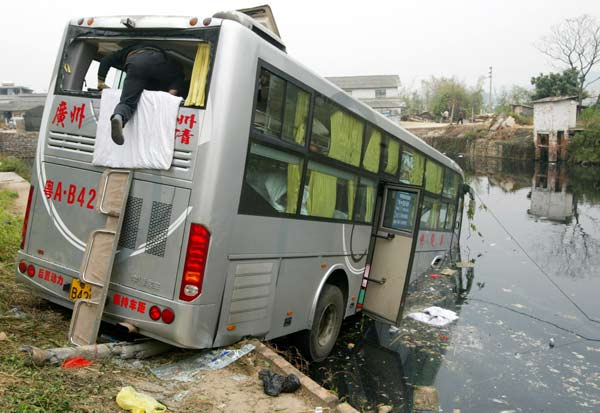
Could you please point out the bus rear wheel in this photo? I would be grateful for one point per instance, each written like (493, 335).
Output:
(320, 339)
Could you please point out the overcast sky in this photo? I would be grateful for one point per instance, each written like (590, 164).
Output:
(414, 39)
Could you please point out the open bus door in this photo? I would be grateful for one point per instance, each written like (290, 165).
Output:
(391, 252)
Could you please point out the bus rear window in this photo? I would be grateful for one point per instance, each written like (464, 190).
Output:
(81, 61)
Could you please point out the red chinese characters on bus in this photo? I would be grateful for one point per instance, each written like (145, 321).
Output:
(76, 115)
(50, 276)
(129, 303)
(70, 194)
(184, 130)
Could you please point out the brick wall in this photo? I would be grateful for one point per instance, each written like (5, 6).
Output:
(21, 145)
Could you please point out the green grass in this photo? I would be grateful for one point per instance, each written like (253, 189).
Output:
(12, 164)
(10, 235)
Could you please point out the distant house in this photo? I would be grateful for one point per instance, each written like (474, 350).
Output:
(8, 89)
(522, 110)
(553, 119)
(28, 106)
(380, 92)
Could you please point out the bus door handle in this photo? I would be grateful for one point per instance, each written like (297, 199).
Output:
(376, 281)
(388, 236)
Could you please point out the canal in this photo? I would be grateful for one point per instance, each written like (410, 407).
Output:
(528, 334)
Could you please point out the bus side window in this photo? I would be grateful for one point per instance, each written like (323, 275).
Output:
(451, 182)
(433, 177)
(373, 150)
(269, 117)
(328, 192)
(391, 155)
(430, 213)
(271, 183)
(365, 200)
(336, 133)
(443, 216)
(450, 217)
(412, 167)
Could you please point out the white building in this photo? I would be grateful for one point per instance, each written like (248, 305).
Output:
(380, 92)
(553, 118)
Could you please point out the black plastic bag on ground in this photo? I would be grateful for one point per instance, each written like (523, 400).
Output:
(274, 383)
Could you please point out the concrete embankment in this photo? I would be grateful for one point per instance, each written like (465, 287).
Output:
(480, 141)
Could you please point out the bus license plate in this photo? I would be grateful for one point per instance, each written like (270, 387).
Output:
(80, 290)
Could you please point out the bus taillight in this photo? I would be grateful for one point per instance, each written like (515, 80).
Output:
(26, 219)
(195, 263)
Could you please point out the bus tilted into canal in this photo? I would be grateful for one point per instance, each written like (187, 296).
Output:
(289, 205)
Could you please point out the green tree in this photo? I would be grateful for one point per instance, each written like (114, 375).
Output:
(556, 84)
(575, 44)
(516, 95)
(441, 94)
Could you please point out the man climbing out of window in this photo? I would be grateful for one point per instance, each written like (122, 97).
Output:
(147, 67)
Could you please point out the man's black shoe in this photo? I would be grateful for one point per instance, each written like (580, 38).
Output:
(116, 130)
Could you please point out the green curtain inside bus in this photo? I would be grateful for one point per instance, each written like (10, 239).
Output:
(418, 167)
(393, 151)
(372, 154)
(434, 177)
(301, 117)
(434, 217)
(351, 194)
(322, 191)
(346, 138)
(293, 188)
(197, 93)
(370, 204)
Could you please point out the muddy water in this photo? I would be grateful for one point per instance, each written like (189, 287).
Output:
(520, 344)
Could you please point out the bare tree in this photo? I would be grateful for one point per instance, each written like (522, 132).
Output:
(575, 43)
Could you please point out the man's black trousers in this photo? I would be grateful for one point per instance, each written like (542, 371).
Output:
(146, 69)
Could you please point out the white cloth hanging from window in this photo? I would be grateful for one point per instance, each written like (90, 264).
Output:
(149, 134)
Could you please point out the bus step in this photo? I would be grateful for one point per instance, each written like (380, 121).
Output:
(98, 258)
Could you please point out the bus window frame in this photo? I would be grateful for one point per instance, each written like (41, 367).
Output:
(381, 178)
(74, 33)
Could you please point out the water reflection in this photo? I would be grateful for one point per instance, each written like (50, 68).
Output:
(496, 356)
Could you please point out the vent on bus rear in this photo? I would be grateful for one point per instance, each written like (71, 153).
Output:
(71, 143)
(131, 222)
(182, 160)
(160, 219)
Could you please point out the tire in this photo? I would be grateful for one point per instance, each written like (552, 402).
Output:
(329, 314)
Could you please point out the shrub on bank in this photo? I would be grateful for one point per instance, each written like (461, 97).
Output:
(12, 164)
(584, 147)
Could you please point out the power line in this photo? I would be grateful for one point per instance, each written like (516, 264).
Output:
(535, 262)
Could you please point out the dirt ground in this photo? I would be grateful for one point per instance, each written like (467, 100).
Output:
(28, 320)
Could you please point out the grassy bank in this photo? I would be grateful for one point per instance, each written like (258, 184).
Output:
(12, 164)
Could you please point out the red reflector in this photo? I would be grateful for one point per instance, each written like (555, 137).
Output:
(31, 270)
(206, 21)
(26, 219)
(168, 316)
(154, 312)
(195, 263)
(22, 267)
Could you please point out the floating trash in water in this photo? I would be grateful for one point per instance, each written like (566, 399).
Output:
(435, 316)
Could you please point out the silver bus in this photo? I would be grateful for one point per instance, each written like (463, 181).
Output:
(288, 207)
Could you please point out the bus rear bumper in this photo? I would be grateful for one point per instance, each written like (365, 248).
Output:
(194, 326)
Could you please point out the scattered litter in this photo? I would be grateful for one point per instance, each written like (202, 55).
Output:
(384, 408)
(579, 356)
(493, 244)
(350, 346)
(434, 276)
(393, 329)
(180, 396)
(480, 285)
(130, 400)
(240, 377)
(76, 363)
(318, 409)
(518, 305)
(504, 402)
(507, 290)
(3, 336)
(425, 398)
(186, 369)
(435, 316)
(274, 384)
(551, 342)
(449, 272)
(465, 264)
(16, 312)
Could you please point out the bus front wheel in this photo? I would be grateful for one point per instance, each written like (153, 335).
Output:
(320, 339)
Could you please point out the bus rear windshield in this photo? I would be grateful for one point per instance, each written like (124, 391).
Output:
(78, 74)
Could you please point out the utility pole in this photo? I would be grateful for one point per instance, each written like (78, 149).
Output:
(490, 97)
